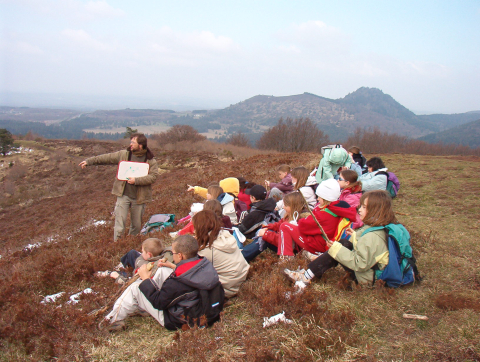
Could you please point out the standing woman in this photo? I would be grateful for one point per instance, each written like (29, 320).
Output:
(220, 247)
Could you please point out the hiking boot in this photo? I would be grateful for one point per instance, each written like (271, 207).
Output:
(116, 326)
(296, 276)
(142, 313)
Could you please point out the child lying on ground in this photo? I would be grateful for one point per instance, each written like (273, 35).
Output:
(152, 250)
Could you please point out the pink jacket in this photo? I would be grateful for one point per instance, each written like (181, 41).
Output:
(352, 197)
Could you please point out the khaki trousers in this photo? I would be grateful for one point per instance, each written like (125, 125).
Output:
(133, 300)
(125, 203)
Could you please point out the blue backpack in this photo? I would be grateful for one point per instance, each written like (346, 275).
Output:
(401, 268)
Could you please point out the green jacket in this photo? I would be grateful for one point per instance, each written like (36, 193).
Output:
(144, 184)
(368, 250)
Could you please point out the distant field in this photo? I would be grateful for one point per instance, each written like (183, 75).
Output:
(161, 127)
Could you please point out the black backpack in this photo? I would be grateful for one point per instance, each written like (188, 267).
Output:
(208, 309)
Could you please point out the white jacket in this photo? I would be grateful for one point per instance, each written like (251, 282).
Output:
(371, 181)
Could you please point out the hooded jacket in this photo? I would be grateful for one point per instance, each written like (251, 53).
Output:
(253, 220)
(372, 181)
(352, 197)
(228, 261)
(143, 184)
(286, 185)
(310, 232)
(179, 293)
(228, 206)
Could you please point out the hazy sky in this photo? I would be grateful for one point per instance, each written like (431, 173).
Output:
(425, 54)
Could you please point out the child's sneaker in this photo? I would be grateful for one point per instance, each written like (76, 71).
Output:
(297, 275)
(310, 256)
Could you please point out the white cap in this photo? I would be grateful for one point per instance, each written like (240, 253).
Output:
(329, 190)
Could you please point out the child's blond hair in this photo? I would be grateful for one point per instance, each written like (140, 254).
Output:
(283, 168)
(153, 245)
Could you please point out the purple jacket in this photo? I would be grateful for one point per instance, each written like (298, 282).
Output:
(286, 185)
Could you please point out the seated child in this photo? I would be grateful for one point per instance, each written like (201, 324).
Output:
(152, 250)
(220, 247)
(216, 207)
(365, 250)
(351, 192)
(284, 187)
(270, 234)
(358, 158)
(230, 188)
(242, 196)
(171, 294)
(328, 212)
(260, 207)
(304, 182)
(371, 181)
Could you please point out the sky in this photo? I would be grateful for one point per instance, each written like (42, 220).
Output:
(210, 54)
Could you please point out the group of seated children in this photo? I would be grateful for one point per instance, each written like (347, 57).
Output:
(206, 251)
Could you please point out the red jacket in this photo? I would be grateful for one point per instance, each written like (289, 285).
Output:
(242, 196)
(311, 234)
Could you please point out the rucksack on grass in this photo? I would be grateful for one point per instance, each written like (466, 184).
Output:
(208, 309)
(401, 268)
(393, 184)
(158, 222)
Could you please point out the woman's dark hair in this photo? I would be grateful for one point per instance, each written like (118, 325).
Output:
(375, 163)
(207, 226)
(379, 208)
(244, 184)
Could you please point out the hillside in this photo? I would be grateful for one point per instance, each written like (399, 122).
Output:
(56, 232)
(467, 134)
(364, 108)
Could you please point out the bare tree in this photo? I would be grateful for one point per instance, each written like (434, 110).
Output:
(297, 135)
(179, 133)
(238, 139)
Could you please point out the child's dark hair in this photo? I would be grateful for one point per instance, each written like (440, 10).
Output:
(244, 184)
(186, 245)
(215, 191)
(153, 245)
(283, 168)
(379, 208)
(352, 177)
(301, 174)
(375, 163)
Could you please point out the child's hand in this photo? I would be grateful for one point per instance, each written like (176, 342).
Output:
(164, 262)
(190, 188)
(143, 272)
(349, 231)
(261, 232)
(267, 183)
(330, 243)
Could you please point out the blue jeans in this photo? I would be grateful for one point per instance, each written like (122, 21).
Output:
(128, 260)
(252, 250)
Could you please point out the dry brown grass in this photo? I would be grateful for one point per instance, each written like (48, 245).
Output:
(438, 202)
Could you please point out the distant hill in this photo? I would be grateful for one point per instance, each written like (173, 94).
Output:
(364, 108)
(467, 134)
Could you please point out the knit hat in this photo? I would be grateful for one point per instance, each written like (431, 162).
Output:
(231, 185)
(329, 190)
(257, 191)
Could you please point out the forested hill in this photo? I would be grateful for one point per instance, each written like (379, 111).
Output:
(467, 134)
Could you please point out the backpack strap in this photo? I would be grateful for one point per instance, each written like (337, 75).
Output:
(330, 212)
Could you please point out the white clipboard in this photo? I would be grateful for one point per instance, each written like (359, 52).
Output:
(127, 169)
